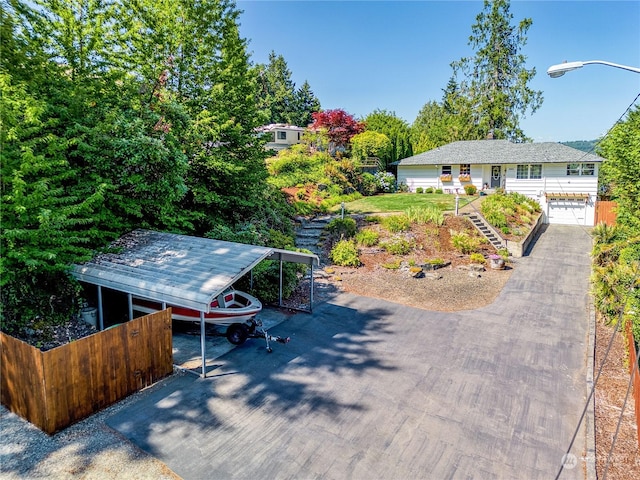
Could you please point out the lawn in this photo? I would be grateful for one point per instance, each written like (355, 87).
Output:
(400, 202)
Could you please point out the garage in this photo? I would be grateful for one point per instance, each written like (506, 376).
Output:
(567, 209)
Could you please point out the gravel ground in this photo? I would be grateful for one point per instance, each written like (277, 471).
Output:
(87, 450)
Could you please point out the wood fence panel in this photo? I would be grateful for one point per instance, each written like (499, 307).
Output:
(21, 379)
(80, 378)
(606, 212)
(633, 361)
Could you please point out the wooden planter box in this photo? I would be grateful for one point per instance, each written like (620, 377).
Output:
(445, 178)
(464, 178)
(59, 387)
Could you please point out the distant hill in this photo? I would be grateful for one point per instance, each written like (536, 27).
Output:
(587, 146)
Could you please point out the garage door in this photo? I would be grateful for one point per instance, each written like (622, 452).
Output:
(567, 212)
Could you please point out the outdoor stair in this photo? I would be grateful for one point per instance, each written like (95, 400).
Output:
(485, 229)
(310, 233)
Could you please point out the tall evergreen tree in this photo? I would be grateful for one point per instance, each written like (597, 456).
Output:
(496, 81)
(395, 128)
(305, 105)
(277, 91)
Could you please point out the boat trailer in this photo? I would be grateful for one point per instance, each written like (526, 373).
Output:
(237, 333)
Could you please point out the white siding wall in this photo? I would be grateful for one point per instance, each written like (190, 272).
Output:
(554, 180)
(426, 176)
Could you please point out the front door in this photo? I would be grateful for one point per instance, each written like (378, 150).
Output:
(496, 176)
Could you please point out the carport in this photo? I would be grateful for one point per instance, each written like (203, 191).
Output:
(179, 270)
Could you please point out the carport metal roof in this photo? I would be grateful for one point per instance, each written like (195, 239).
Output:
(178, 269)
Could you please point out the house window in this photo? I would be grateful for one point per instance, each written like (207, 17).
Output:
(581, 169)
(282, 135)
(446, 170)
(465, 169)
(529, 172)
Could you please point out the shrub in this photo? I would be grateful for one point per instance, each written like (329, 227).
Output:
(505, 230)
(265, 280)
(392, 265)
(470, 189)
(397, 246)
(439, 191)
(303, 208)
(496, 218)
(419, 190)
(396, 223)
(463, 242)
(367, 185)
(385, 182)
(435, 261)
(367, 238)
(429, 190)
(477, 258)
(373, 219)
(426, 214)
(504, 253)
(343, 227)
(300, 194)
(345, 253)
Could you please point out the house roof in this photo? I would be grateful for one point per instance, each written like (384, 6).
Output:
(279, 126)
(499, 152)
(177, 269)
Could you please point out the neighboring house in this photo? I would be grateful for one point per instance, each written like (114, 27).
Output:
(282, 135)
(562, 179)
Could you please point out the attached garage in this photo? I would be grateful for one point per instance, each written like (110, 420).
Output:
(567, 209)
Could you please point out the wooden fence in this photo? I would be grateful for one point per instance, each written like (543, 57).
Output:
(633, 360)
(605, 212)
(59, 387)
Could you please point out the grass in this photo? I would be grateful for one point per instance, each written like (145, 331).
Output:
(400, 202)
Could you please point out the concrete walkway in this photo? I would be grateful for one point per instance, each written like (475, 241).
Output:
(374, 390)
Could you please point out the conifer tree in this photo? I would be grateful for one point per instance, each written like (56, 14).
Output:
(496, 81)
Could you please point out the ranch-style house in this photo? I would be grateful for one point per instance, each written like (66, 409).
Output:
(562, 179)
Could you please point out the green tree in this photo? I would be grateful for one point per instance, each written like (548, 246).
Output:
(305, 105)
(616, 253)
(396, 130)
(621, 170)
(279, 100)
(496, 81)
(46, 215)
(371, 144)
(277, 94)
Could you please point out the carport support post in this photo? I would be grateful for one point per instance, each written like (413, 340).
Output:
(280, 292)
(100, 313)
(311, 293)
(202, 344)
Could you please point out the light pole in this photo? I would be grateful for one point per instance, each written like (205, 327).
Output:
(555, 71)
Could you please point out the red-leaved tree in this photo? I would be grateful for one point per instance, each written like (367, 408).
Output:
(340, 126)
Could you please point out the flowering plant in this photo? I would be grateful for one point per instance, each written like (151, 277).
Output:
(495, 256)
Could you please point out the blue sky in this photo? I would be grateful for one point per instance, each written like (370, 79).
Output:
(396, 55)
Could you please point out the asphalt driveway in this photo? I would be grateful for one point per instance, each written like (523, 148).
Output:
(369, 389)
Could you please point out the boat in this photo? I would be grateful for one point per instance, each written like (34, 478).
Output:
(231, 306)
(233, 309)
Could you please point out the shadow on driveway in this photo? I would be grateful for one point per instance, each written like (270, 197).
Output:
(372, 389)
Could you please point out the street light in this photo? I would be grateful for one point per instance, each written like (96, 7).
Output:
(555, 71)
